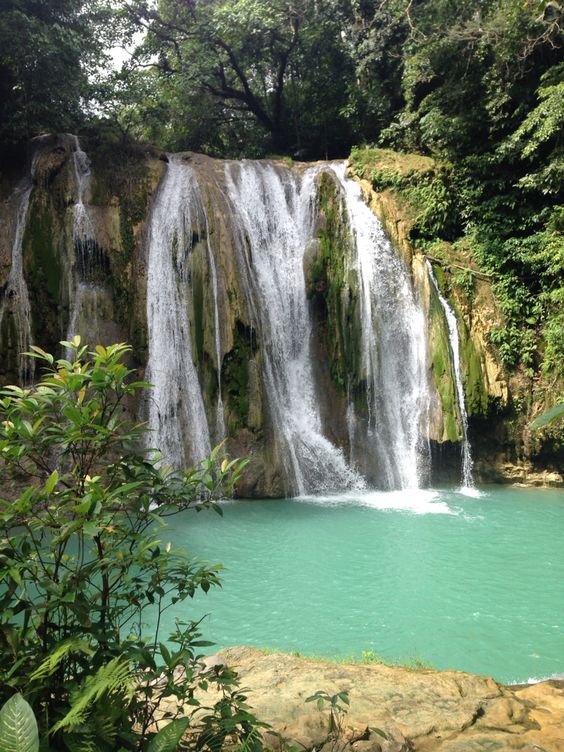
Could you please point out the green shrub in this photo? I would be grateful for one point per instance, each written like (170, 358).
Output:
(83, 567)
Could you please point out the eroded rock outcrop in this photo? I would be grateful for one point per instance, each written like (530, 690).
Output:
(420, 710)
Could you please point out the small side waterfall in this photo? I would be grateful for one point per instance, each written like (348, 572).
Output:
(83, 230)
(393, 348)
(273, 211)
(84, 291)
(220, 415)
(16, 295)
(454, 345)
(176, 409)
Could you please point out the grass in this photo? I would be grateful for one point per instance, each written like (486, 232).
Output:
(365, 160)
(366, 658)
(286, 160)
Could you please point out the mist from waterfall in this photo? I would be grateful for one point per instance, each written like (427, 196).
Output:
(273, 213)
(394, 360)
(454, 346)
(176, 412)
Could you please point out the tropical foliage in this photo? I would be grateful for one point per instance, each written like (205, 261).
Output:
(85, 565)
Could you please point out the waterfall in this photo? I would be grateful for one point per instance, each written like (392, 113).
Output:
(220, 416)
(83, 231)
(176, 409)
(84, 292)
(393, 348)
(273, 212)
(16, 295)
(454, 344)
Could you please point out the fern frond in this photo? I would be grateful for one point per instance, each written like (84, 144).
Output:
(112, 678)
(81, 743)
(55, 658)
(105, 724)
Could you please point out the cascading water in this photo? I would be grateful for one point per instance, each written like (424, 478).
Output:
(83, 231)
(220, 416)
(176, 409)
(16, 296)
(454, 345)
(84, 292)
(273, 212)
(393, 348)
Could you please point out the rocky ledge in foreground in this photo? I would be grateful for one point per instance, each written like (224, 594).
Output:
(421, 710)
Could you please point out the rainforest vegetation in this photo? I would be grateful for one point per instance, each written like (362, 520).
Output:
(476, 85)
(455, 106)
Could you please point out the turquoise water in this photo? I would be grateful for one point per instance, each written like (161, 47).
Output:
(471, 583)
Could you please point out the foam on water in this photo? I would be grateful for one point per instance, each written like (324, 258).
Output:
(537, 679)
(414, 500)
(470, 491)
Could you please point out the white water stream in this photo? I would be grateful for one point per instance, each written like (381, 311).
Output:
(393, 348)
(273, 212)
(454, 344)
(220, 431)
(176, 409)
(16, 295)
(84, 293)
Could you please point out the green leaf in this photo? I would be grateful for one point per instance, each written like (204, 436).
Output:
(548, 417)
(113, 677)
(38, 351)
(51, 481)
(168, 738)
(50, 664)
(165, 652)
(18, 727)
(379, 732)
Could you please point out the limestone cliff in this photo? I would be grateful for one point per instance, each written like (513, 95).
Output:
(93, 280)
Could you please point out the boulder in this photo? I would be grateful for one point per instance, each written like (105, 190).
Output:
(421, 710)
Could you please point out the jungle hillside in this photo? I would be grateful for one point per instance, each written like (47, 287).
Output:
(473, 90)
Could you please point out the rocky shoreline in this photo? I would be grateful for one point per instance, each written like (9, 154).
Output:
(420, 710)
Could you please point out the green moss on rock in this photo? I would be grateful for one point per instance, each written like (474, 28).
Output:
(333, 288)
(43, 270)
(442, 369)
(235, 372)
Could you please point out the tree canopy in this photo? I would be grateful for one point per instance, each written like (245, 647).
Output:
(475, 84)
(301, 77)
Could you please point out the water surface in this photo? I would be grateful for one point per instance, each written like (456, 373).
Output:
(463, 582)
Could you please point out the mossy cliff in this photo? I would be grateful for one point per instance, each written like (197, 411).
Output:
(105, 296)
(500, 403)
(123, 181)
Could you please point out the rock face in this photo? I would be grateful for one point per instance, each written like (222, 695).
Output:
(74, 259)
(500, 406)
(419, 710)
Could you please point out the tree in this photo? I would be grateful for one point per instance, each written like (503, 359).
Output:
(271, 74)
(237, 52)
(82, 564)
(49, 54)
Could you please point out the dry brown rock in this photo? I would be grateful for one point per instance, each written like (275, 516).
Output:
(420, 710)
